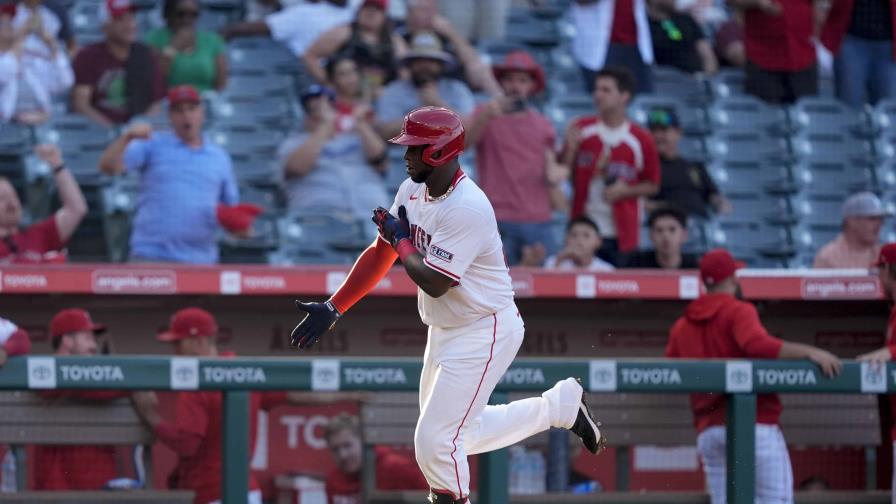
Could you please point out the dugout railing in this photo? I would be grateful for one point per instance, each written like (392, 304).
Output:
(741, 380)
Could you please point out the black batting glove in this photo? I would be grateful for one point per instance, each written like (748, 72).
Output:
(319, 320)
(393, 229)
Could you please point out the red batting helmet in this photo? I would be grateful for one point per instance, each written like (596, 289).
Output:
(437, 127)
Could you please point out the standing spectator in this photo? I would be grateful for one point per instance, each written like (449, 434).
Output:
(614, 164)
(29, 76)
(886, 272)
(394, 471)
(85, 467)
(860, 35)
(678, 41)
(719, 326)
(39, 25)
(858, 243)
(729, 42)
(427, 85)
(183, 178)
(580, 251)
(117, 78)
(613, 33)
(189, 55)
(668, 233)
(318, 161)
(685, 184)
(477, 20)
(369, 40)
(423, 16)
(297, 26)
(780, 53)
(41, 241)
(516, 162)
(14, 341)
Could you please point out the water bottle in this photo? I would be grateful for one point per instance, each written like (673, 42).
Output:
(516, 468)
(8, 476)
(539, 473)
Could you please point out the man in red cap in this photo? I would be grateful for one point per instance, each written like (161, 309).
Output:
(116, 78)
(87, 467)
(518, 169)
(886, 268)
(718, 325)
(185, 176)
(195, 433)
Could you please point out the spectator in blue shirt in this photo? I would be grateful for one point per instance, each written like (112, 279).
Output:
(183, 178)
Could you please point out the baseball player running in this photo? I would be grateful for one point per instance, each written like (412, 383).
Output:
(443, 229)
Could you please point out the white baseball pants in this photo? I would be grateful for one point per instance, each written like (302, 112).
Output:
(774, 476)
(461, 367)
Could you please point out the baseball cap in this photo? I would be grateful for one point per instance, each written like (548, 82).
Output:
(237, 218)
(718, 265)
(313, 91)
(8, 9)
(520, 61)
(184, 93)
(427, 45)
(379, 4)
(114, 9)
(189, 323)
(887, 255)
(73, 320)
(662, 117)
(864, 204)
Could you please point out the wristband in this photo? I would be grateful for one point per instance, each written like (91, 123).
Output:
(58, 169)
(405, 249)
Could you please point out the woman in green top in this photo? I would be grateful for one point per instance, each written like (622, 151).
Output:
(189, 56)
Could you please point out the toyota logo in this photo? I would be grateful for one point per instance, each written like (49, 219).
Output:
(873, 376)
(41, 373)
(739, 377)
(325, 374)
(184, 374)
(603, 376)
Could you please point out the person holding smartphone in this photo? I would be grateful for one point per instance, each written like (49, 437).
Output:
(516, 161)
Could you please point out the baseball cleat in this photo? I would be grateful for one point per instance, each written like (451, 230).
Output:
(588, 429)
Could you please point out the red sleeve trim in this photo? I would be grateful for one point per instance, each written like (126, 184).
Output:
(440, 270)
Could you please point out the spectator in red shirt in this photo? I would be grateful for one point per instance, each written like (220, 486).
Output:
(718, 325)
(117, 78)
(41, 241)
(860, 35)
(613, 33)
(394, 471)
(614, 165)
(14, 341)
(515, 158)
(87, 467)
(781, 64)
(886, 264)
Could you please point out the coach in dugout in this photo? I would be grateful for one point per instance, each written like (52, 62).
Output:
(195, 434)
(87, 467)
(886, 264)
(41, 241)
(718, 325)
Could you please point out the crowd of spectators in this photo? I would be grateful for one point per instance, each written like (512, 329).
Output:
(369, 62)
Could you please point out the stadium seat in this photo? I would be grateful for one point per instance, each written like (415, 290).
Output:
(253, 250)
(308, 238)
(73, 133)
(727, 83)
(14, 139)
(257, 85)
(747, 146)
(693, 119)
(836, 178)
(827, 115)
(273, 112)
(262, 54)
(747, 113)
(832, 147)
(89, 243)
(883, 117)
(668, 81)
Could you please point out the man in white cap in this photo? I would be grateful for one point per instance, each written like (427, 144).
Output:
(858, 244)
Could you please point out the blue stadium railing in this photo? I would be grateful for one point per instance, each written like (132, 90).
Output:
(741, 380)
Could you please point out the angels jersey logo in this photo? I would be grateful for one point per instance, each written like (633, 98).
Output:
(420, 238)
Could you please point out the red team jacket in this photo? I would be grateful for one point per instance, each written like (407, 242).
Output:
(891, 343)
(67, 467)
(718, 326)
(394, 471)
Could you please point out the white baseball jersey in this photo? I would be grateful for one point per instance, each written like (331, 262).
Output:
(458, 237)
